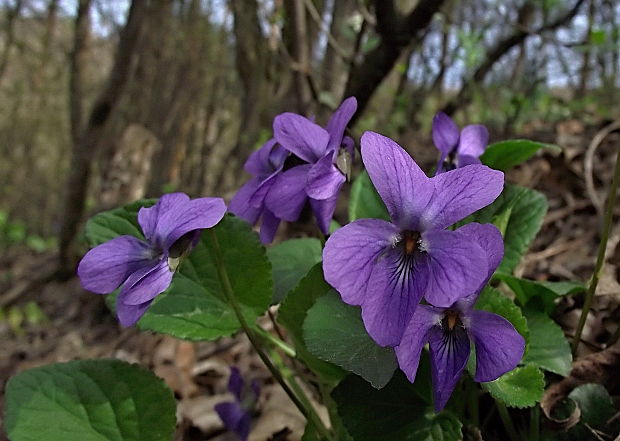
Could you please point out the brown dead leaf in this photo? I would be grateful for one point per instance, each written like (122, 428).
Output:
(600, 367)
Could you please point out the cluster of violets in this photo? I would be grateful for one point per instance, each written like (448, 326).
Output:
(303, 163)
(416, 278)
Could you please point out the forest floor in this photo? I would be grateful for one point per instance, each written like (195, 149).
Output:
(75, 324)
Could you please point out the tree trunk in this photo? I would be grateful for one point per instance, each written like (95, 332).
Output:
(587, 54)
(251, 62)
(90, 138)
(396, 35)
(11, 16)
(78, 64)
(333, 74)
(301, 55)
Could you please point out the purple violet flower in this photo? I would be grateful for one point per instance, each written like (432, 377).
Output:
(249, 203)
(237, 415)
(387, 267)
(458, 149)
(450, 331)
(328, 153)
(145, 268)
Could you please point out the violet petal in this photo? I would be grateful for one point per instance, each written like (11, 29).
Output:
(324, 212)
(235, 383)
(337, 124)
(459, 193)
(146, 283)
(402, 185)
(324, 179)
(105, 267)
(235, 418)
(176, 215)
(351, 253)
(148, 217)
(474, 140)
(456, 265)
(445, 133)
(465, 160)
(258, 163)
(257, 200)
(268, 227)
(489, 238)
(449, 354)
(499, 347)
(240, 203)
(128, 315)
(287, 195)
(409, 350)
(394, 291)
(300, 136)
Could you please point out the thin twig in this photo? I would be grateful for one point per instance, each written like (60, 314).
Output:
(602, 247)
(331, 40)
(300, 401)
(588, 162)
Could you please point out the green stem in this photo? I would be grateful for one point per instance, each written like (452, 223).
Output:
(600, 258)
(535, 424)
(323, 239)
(307, 411)
(508, 424)
(282, 345)
(289, 375)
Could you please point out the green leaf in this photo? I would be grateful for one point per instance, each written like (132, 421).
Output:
(596, 404)
(504, 155)
(188, 311)
(290, 261)
(90, 400)
(548, 348)
(110, 224)
(539, 294)
(334, 332)
(527, 211)
(244, 258)
(521, 387)
(394, 413)
(598, 37)
(494, 301)
(292, 314)
(364, 201)
(195, 306)
(596, 414)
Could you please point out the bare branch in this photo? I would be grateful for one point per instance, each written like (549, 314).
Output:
(377, 64)
(501, 48)
(90, 138)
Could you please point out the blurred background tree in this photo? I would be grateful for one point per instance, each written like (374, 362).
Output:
(103, 102)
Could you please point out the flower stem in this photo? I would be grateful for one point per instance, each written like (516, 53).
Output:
(282, 345)
(289, 375)
(307, 411)
(600, 258)
(535, 424)
(508, 424)
(472, 401)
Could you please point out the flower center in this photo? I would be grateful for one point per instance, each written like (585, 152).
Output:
(451, 320)
(183, 245)
(292, 161)
(411, 242)
(450, 162)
